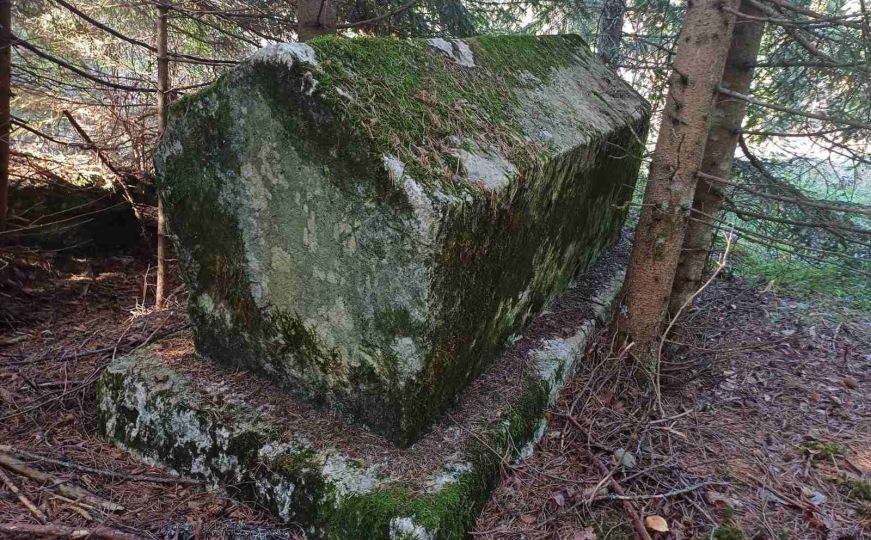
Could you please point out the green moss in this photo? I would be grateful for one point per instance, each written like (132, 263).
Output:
(825, 451)
(859, 490)
(298, 339)
(726, 530)
(409, 100)
(829, 283)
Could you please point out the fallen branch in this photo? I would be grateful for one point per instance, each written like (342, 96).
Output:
(10, 485)
(64, 531)
(99, 472)
(672, 493)
(64, 488)
(628, 507)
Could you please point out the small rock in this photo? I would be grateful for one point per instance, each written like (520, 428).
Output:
(769, 497)
(625, 458)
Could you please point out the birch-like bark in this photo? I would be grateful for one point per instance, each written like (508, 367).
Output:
(610, 31)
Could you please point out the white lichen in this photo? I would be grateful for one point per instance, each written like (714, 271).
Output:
(347, 477)
(462, 55)
(447, 475)
(404, 528)
(285, 53)
(485, 166)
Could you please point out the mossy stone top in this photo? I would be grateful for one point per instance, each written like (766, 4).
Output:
(368, 221)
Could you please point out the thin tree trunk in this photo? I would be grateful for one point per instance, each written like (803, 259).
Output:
(610, 31)
(315, 18)
(719, 151)
(5, 97)
(701, 54)
(162, 102)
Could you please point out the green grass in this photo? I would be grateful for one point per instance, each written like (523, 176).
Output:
(820, 450)
(858, 490)
(792, 276)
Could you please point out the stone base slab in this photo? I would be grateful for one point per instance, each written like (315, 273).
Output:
(236, 431)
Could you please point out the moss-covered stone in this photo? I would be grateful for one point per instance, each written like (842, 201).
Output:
(369, 221)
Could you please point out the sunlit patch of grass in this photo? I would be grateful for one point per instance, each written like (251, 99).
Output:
(805, 279)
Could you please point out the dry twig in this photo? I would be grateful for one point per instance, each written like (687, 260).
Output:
(65, 488)
(63, 531)
(10, 485)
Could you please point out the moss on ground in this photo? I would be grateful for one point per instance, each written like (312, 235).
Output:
(823, 451)
(727, 530)
(858, 490)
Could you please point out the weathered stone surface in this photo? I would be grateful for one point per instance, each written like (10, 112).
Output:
(173, 408)
(369, 221)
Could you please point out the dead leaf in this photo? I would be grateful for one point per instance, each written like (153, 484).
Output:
(656, 523)
(625, 458)
(586, 534)
(559, 499)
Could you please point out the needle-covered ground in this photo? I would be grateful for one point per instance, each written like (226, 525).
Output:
(765, 433)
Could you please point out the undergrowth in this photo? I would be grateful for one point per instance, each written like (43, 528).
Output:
(793, 276)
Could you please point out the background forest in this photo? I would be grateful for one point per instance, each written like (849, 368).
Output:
(82, 96)
(84, 80)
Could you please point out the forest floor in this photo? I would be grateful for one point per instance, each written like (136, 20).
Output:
(765, 430)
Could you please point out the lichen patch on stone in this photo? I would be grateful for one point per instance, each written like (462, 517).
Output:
(486, 167)
(404, 528)
(285, 53)
(456, 49)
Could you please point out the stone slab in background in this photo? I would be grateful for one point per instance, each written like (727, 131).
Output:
(169, 406)
(368, 221)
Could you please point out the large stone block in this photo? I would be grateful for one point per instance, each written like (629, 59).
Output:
(368, 222)
(168, 405)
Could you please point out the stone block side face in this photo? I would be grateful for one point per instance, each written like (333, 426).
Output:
(502, 262)
(327, 242)
(298, 262)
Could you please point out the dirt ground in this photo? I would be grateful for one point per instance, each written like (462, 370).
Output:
(764, 432)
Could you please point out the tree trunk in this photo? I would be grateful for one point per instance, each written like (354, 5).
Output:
(610, 31)
(701, 54)
(162, 102)
(719, 151)
(5, 97)
(315, 18)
